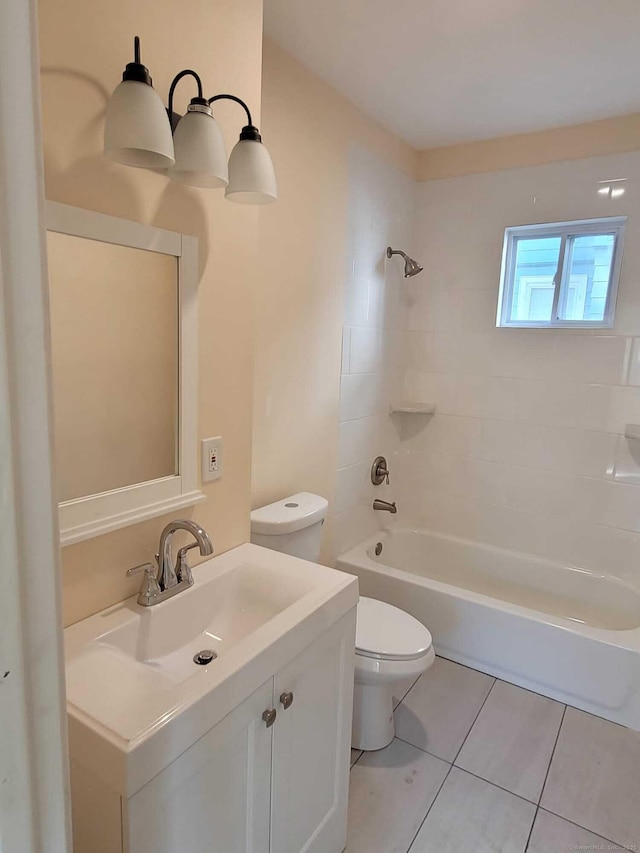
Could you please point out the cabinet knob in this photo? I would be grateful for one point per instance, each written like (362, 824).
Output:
(286, 699)
(269, 716)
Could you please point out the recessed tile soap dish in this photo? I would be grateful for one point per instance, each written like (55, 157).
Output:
(410, 407)
(632, 431)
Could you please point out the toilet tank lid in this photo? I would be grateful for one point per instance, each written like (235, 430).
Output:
(288, 515)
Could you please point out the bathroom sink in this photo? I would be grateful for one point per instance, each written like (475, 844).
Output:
(220, 610)
(131, 676)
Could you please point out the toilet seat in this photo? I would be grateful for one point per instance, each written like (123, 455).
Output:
(384, 632)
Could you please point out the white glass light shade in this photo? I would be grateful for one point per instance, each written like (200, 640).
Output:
(252, 179)
(137, 130)
(200, 152)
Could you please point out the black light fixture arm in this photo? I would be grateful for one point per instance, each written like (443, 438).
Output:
(232, 98)
(250, 131)
(186, 73)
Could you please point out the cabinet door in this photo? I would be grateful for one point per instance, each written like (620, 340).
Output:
(214, 798)
(311, 745)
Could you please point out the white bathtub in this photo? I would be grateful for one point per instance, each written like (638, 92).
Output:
(567, 633)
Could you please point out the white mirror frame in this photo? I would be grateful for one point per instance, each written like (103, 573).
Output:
(86, 517)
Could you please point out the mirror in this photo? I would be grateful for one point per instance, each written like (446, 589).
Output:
(115, 403)
(120, 296)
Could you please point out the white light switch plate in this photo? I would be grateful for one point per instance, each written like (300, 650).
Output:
(211, 458)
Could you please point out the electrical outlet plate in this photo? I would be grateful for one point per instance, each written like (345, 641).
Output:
(211, 458)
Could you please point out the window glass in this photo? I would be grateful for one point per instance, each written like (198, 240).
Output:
(536, 262)
(590, 262)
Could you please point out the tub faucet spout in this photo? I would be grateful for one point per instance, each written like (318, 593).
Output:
(385, 506)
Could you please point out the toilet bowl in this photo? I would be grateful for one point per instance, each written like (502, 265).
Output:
(391, 647)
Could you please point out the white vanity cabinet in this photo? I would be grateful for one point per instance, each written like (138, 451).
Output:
(216, 796)
(248, 754)
(247, 786)
(312, 745)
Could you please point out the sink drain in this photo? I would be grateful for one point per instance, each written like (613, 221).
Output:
(204, 657)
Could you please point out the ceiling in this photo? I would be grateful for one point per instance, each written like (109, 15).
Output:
(437, 72)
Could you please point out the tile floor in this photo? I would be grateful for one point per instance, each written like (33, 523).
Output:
(481, 765)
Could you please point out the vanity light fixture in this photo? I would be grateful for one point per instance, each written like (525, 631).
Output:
(140, 132)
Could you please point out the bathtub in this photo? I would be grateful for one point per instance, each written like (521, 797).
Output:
(570, 634)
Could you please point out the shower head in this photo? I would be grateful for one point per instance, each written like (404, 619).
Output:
(411, 267)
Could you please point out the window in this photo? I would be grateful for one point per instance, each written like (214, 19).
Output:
(563, 275)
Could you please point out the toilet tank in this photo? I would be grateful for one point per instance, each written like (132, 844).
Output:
(292, 525)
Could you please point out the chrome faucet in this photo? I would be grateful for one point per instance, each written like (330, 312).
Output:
(169, 579)
(385, 506)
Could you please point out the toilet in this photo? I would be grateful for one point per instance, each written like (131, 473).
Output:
(392, 647)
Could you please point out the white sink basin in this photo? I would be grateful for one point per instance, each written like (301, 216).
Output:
(130, 669)
(219, 611)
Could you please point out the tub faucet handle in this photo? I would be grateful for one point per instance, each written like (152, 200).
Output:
(379, 471)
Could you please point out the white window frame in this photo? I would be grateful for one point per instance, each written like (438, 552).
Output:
(614, 225)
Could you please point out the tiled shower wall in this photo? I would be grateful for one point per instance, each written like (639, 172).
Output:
(526, 450)
(381, 205)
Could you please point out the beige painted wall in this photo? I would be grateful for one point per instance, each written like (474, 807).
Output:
(609, 136)
(309, 129)
(84, 47)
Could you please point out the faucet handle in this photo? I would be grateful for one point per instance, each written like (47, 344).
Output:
(379, 471)
(149, 588)
(183, 569)
(149, 568)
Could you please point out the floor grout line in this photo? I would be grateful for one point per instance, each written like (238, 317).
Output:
(467, 666)
(406, 692)
(449, 770)
(359, 757)
(533, 823)
(487, 782)
(475, 775)
(429, 809)
(494, 785)
(446, 760)
(584, 828)
(426, 751)
(553, 752)
(474, 720)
